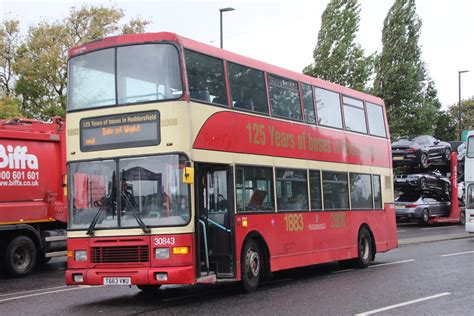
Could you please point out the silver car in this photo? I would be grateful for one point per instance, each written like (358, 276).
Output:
(421, 207)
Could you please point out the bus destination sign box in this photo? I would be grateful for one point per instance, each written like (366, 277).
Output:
(120, 131)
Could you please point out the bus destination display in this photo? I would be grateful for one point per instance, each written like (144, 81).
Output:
(120, 131)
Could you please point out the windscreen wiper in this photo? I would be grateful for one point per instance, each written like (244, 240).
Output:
(107, 201)
(134, 212)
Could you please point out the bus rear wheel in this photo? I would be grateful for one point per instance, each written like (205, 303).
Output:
(251, 266)
(364, 248)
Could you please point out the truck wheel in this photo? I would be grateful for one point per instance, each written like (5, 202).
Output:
(251, 266)
(20, 256)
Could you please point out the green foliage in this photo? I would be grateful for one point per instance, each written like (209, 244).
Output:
(401, 80)
(337, 57)
(446, 128)
(467, 114)
(9, 108)
(39, 65)
(9, 39)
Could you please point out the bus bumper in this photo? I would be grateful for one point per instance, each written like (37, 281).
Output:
(138, 276)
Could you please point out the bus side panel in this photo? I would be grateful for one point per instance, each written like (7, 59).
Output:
(297, 239)
(390, 226)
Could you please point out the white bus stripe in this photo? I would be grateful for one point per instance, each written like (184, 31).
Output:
(457, 254)
(403, 304)
(390, 263)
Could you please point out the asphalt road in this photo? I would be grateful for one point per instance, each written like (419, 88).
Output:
(417, 279)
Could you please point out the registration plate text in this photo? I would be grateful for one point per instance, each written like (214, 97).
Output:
(117, 281)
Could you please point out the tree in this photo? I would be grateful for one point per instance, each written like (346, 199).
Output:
(337, 57)
(401, 80)
(446, 128)
(9, 41)
(9, 108)
(41, 62)
(467, 114)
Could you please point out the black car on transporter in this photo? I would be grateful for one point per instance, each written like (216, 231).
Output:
(432, 181)
(420, 151)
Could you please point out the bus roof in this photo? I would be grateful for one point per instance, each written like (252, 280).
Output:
(143, 38)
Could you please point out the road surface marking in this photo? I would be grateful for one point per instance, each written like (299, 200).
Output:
(342, 271)
(390, 263)
(401, 231)
(23, 292)
(403, 304)
(48, 292)
(441, 227)
(457, 254)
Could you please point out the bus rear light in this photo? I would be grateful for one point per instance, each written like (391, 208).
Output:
(69, 253)
(78, 278)
(244, 223)
(180, 250)
(161, 276)
(162, 253)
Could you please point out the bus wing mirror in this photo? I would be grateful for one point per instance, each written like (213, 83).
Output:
(188, 175)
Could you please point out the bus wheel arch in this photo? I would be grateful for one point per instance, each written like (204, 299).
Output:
(254, 244)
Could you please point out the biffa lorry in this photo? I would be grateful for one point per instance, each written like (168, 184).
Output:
(33, 201)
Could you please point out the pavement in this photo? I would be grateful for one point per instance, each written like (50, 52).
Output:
(457, 233)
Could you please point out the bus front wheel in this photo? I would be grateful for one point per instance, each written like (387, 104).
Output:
(251, 266)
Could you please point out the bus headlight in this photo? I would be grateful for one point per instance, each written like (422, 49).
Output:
(80, 255)
(162, 253)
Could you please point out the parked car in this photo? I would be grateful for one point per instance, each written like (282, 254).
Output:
(421, 206)
(423, 181)
(420, 151)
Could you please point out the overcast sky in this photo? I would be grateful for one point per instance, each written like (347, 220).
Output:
(284, 32)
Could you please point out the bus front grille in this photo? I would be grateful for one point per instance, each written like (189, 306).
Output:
(120, 254)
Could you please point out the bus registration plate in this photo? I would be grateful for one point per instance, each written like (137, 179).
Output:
(117, 281)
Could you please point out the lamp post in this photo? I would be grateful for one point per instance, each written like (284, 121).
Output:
(460, 110)
(224, 10)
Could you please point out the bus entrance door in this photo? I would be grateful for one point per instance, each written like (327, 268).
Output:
(215, 216)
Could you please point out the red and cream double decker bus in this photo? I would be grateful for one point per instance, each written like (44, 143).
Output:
(190, 164)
